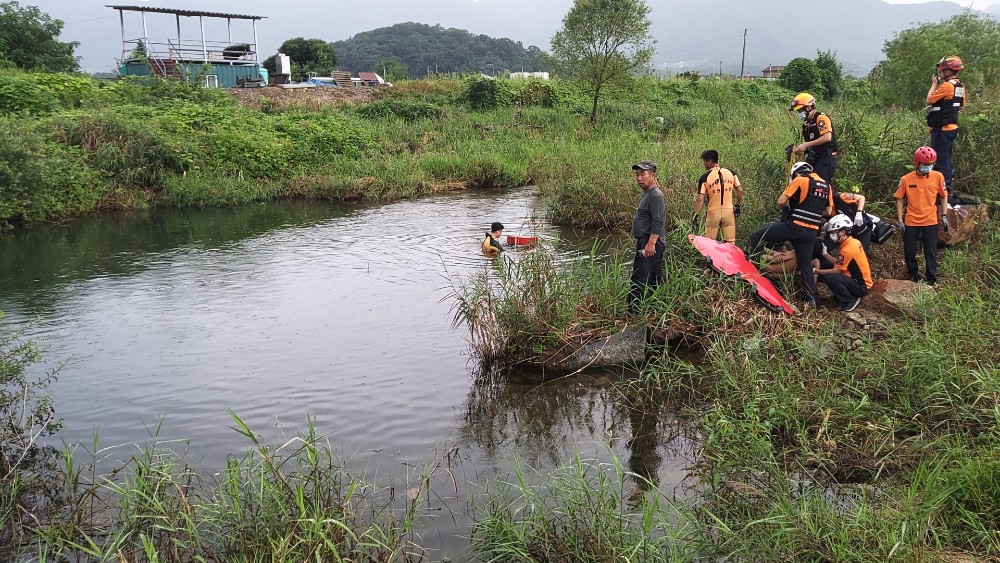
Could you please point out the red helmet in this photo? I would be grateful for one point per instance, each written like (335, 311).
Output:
(924, 155)
(951, 62)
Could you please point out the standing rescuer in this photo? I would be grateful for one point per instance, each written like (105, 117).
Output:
(923, 196)
(945, 97)
(725, 197)
(810, 198)
(819, 140)
(648, 228)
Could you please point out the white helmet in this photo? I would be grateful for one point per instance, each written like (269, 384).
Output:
(840, 222)
(800, 169)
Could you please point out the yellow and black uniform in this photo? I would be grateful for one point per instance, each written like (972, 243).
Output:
(942, 119)
(720, 185)
(810, 198)
(491, 246)
(920, 195)
(823, 158)
(854, 276)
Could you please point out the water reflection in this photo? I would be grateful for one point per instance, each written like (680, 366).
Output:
(545, 422)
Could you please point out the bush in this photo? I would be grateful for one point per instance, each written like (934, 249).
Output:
(19, 93)
(487, 93)
(408, 110)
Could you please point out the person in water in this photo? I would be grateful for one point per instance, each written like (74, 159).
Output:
(491, 243)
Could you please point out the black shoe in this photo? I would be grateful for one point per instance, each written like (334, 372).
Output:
(914, 278)
(850, 306)
(931, 282)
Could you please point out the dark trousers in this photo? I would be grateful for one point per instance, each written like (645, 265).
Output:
(942, 142)
(844, 288)
(930, 236)
(803, 240)
(647, 273)
(865, 238)
(825, 166)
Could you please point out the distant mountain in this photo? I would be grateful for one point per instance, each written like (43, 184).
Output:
(698, 35)
(994, 9)
(424, 48)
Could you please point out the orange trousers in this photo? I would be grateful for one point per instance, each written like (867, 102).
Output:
(721, 219)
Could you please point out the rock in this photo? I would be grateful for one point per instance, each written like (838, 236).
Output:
(896, 297)
(825, 350)
(963, 222)
(856, 318)
(624, 348)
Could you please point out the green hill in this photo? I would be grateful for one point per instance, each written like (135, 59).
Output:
(424, 48)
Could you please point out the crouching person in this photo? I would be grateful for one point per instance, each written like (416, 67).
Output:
(850, 278)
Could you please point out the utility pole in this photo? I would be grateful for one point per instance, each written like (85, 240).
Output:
(720, 69)
(744, 61)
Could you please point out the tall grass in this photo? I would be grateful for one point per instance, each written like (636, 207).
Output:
(293, 501)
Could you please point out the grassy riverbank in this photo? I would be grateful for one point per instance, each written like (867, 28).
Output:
(70, 145)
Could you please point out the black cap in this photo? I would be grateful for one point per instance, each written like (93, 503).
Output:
(497, 226)
(645, 165)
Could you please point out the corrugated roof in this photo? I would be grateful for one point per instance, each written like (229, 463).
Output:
(191, 13)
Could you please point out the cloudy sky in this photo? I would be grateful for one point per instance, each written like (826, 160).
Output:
(97, 28)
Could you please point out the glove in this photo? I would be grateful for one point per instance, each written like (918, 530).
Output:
(944, 221)
(737, 210)
(902, 228)
(825, 249)
(859, 219)
(694, 221)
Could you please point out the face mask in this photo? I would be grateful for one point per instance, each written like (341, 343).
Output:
(835, 237)
(802, 116)
(927, 169)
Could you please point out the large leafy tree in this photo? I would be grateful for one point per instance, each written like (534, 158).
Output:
(602, 44)
(307, 55)
(831, 73)
(29, 39)
(911, 56)
(802, 75)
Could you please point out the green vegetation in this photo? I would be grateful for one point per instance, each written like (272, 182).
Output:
(602, 43)
(802, 75)
(423, 49)
(29, 40)
(911, 59)
(306, 55)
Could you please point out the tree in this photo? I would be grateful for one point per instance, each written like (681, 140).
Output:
(391, 68)
(831, 73)
(306, 55)
(601, 44)
(29, 40)
(802, 75)
(902, 79)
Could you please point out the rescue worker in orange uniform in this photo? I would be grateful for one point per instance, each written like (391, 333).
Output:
(945, 97)
(924, 198)
(819, 140)
(725, 197)
(850, 278)
(810, 198)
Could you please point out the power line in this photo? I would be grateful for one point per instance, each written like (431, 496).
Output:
(90, 20)
(696, 45)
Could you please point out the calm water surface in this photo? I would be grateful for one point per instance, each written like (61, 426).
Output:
(292, 310)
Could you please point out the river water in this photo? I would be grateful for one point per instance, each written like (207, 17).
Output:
(291, 310)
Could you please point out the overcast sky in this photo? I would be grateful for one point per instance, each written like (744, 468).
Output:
(97, 28)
